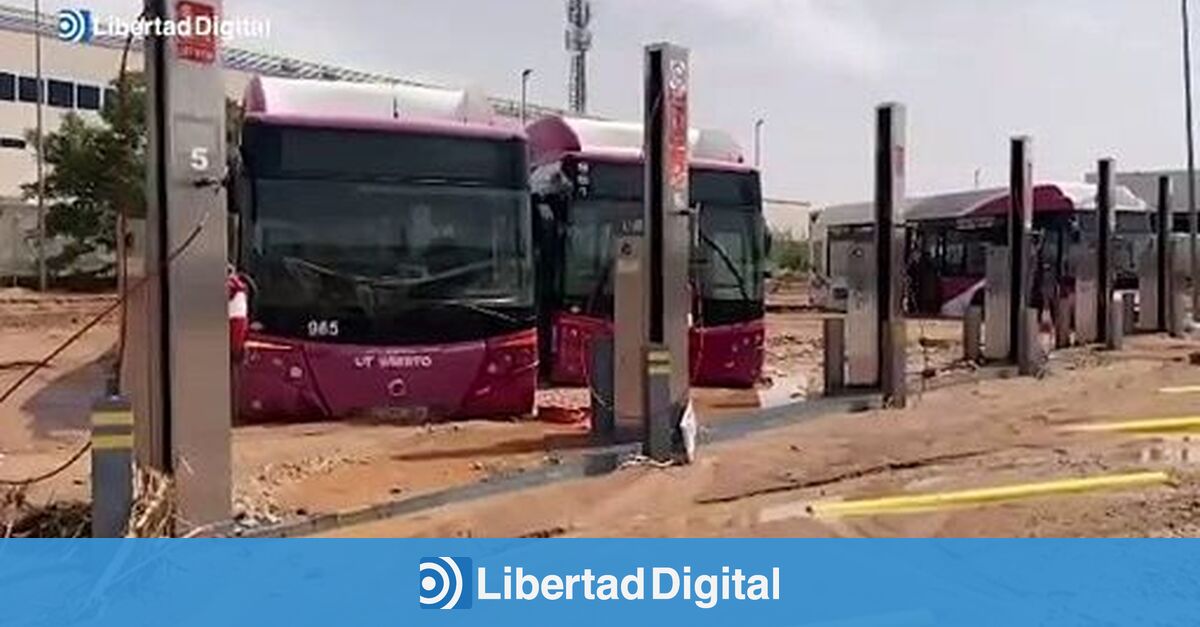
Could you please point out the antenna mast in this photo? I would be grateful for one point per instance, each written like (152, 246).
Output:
(579, 41)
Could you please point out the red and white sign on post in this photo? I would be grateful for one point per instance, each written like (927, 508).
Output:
(677, 131)
(197, 41)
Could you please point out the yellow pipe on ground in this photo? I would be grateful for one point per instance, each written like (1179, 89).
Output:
(924, 502)
(1149, 425)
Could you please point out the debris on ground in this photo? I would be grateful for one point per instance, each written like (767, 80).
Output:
(153, 514)
(58, 519)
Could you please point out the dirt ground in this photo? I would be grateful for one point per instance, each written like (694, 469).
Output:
(985, 434)
(971, 435)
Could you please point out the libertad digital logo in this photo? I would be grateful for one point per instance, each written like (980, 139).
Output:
(193, 19)
(75, 25)
(445, 583)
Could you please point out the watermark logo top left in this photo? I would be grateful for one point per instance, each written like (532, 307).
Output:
(75, 25)
(445, 583)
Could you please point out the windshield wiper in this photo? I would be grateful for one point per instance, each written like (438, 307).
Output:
(601, 283)
(388, 281)
(733, 269)
(487, 311)
(360, 281)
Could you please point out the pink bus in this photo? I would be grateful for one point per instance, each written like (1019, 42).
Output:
(588, 179)
(948, 235)
(384, 233)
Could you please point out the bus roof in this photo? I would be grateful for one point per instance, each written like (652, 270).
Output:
(371, 105)
(1047, 198)
(552, 137)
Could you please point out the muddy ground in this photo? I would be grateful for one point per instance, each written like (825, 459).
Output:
(985, 434)
(965, 435)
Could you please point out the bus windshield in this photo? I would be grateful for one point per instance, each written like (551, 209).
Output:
(729, 256)
(364, 254)
(591, 230)
(390, 252)
(728, 262)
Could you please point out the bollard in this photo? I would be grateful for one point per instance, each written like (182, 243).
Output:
(1062, 321)
(1115, 338)
(1128, 312)
(600, 382)
(112, 466)
(972, 328)
(662, 417)
(834, 331)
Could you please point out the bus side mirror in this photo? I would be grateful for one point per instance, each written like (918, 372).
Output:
(768, 243)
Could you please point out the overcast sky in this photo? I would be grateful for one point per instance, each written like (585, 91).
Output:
(1085, 78)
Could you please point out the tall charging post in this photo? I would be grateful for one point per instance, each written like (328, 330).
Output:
(178, 348)
(890, 158)
(1162, 257)
(668, 232)
(1105, 222)
(1020, 224)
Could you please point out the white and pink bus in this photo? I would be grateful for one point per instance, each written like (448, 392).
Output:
(947, 236)
(588, 179)
(384, 232)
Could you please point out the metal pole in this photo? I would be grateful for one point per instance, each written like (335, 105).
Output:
(890, 142)
(41, 145)
(1105, 217)
(182, 422)
(1020, 222)
(667, 217)
(525, 74)
(1191, 159)
(1163, 250)
(758, 124)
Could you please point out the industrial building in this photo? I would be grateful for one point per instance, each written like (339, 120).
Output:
(76, 77)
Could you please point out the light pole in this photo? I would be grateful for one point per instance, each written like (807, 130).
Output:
(758, 124)
(1191, 160)
(525, 74)
(40, 147)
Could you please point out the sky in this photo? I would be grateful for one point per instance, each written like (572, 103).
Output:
(1085, 78)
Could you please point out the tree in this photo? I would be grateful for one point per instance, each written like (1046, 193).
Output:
(94, 171)
(790, 255)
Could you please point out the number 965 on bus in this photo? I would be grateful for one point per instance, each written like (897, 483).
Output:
(323, 328)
